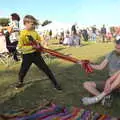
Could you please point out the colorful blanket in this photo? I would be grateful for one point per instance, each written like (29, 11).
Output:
(55, 112)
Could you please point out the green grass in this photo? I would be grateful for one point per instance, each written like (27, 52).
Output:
(38, 87)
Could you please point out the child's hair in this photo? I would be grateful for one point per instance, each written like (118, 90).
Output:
(29, 18)
(15, 16)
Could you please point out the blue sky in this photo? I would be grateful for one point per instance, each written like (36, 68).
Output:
(87, 12)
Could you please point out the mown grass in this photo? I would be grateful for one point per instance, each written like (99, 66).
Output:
(39, 89)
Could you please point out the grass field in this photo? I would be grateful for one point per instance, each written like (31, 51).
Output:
(38, 87)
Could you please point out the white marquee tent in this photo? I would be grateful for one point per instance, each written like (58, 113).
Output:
(55, 27)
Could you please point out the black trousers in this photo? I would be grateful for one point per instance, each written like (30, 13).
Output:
(37, 59)
(85, 36)
(103, 37)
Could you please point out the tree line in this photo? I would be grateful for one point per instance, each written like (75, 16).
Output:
(5, 22)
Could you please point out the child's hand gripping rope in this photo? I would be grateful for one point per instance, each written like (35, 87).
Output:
(33, 43)
(86, 65)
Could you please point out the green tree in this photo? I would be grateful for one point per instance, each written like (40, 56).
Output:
(4, 21)
(46, 22)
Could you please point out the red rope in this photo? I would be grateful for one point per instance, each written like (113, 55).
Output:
(86, 66)
(85, 63)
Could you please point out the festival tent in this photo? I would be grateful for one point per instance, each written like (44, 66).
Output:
(55, 27)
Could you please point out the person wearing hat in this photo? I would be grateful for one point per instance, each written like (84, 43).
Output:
(102, 90)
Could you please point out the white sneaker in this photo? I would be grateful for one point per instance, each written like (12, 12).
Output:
(89, 100)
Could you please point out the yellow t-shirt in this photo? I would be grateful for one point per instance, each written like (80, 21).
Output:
(24, 41)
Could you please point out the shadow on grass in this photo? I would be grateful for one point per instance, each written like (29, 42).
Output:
(38, 88)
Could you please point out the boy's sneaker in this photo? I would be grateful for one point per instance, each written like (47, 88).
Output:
(107, 101)
(19, 85)
(58, 87)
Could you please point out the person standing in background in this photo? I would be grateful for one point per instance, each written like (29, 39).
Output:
(73, 29)
(85, 35)
(103, 33)
(61, 36)
(50, 34)
(13, 35)
(94, 33)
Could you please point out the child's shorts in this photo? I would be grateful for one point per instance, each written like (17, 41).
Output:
(100, 85)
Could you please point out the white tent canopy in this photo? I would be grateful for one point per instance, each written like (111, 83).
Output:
(54, 26)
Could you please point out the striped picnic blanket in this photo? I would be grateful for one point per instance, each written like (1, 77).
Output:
(55, 112)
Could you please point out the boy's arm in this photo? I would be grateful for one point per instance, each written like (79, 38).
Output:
(100, 66)
(39, 38)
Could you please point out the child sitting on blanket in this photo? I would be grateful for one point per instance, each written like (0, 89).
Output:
(30, 55)
(102, 89)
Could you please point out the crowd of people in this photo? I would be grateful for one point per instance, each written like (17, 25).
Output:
(70, 37)
(74, 36)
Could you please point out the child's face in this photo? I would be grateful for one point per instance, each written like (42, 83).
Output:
(30, 25)
(117, 47)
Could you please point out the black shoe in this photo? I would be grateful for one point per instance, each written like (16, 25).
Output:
(19, 85)
(58, 87)
(107, 101)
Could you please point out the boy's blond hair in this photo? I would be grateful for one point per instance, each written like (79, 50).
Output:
(29, 18)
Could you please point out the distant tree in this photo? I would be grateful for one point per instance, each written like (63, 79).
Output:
(46, 22)
(4, 21)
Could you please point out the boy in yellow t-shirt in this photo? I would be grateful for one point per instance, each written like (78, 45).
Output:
(30, 55)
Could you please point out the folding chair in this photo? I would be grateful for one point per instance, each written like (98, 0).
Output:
(6, 59)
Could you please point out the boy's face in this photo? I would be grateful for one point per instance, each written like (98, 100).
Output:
(117, 48)
(30, 25)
